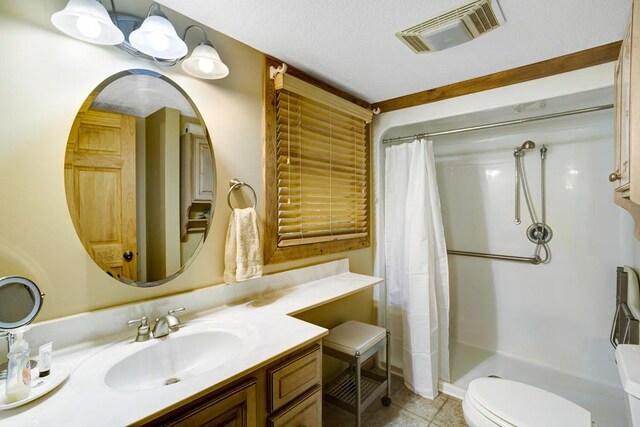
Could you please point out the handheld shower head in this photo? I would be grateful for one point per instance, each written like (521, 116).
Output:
(528, 145)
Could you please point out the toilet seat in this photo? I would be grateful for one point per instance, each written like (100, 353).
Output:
(477, 415)
(505, 403)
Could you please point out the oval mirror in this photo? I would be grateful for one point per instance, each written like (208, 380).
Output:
(140, 178)
(20, 302)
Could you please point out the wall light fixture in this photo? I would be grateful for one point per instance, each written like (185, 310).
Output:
(153, 37)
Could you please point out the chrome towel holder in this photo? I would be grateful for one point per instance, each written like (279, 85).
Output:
(236, 184)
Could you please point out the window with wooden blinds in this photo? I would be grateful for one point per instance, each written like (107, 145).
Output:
(319, 198)
(322, 172)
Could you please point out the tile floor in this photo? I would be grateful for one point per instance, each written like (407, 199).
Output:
(407, 409)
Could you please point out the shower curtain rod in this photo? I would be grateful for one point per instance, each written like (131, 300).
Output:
(410, 138)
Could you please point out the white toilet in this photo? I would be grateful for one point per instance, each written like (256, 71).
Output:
(491, 402)
(628, 361)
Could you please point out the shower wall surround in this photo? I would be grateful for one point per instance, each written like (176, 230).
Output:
(557, 315)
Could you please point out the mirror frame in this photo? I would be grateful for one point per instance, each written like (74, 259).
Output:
(89, 100)
(37, 301)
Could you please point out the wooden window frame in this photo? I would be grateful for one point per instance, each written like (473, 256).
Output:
(272, 253)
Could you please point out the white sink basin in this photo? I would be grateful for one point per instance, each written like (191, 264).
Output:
(173, 360)
(194, 350)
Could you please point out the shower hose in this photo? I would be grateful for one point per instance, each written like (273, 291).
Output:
(541, 244)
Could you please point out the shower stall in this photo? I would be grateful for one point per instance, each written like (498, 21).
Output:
(533, 239)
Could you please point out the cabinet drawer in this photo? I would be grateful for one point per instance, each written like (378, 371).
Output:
(236, 407)
(294, 377)
(307, 412)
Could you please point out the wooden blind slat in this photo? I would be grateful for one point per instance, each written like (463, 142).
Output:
(347, 192)
(316, 142)
(292, 180)
(313, 150)
(303, 111)
(338, 164)
(315, 213)
(310, 116)
(321, 239)
(309, 227)
(289, 132)
(319, 224)
(317, 167)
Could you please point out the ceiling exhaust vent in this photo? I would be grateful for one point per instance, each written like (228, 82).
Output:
(454, 27)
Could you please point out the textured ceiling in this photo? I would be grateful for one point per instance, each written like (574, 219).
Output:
(141, 95)
(351, 43)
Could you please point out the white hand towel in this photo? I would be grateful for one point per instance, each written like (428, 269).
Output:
(243, 253)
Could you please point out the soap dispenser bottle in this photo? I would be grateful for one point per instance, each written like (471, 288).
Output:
(18, 383)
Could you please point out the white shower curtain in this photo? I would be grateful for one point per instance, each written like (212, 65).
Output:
(417, 273)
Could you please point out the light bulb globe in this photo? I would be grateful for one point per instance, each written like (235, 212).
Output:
(89, 21)
(159, 42)
(156, 37)
(89, 27)
(205, 63)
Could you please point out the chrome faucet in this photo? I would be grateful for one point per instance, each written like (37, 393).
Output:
(167, 323)
(144, 333)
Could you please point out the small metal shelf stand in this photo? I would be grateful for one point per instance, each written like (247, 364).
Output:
(343, 391)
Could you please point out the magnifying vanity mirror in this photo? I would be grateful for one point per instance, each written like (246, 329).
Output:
(140, 178)
(20, 302)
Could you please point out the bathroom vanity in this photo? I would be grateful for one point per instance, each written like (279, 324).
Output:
(286, 392)
(238, 356)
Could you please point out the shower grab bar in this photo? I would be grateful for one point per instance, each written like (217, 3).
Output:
(530, 260)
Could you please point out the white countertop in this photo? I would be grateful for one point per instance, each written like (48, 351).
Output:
(82, 400)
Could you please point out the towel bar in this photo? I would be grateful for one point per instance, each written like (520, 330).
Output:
(236, 184)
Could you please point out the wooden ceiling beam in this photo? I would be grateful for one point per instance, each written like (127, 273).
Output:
(562, 64)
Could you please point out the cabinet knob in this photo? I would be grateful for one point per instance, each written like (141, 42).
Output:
(128, 256)
(614, 176)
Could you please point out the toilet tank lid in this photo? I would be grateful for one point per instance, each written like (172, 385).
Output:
(628, 361)
(523, 405)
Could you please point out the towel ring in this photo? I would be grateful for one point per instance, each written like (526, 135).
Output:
(236, 184)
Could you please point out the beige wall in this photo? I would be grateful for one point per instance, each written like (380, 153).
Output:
(44, 78)
(141, 197)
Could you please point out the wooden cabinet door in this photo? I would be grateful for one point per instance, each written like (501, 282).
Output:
(617, 121)
(202, 170)
(196, 182)
(624, 103)
(627, 121)
(307, 412)
(293, 378)
(236, 408)
(100, 183)
(632, 63)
